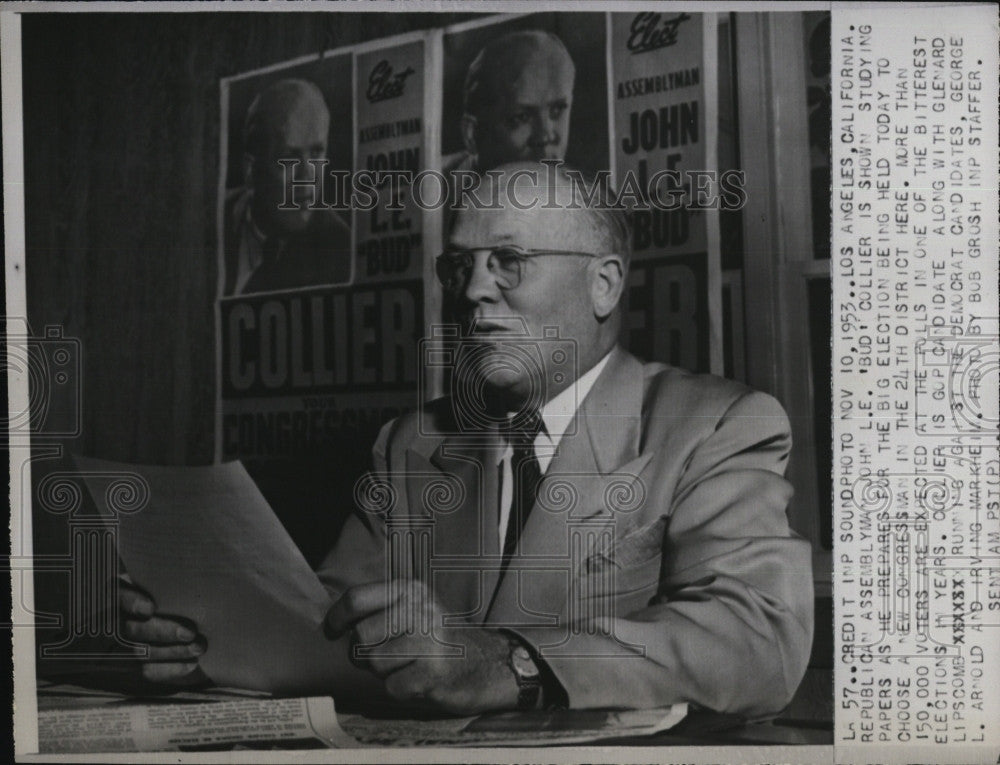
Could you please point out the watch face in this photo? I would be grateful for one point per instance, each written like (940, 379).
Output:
(523, 664)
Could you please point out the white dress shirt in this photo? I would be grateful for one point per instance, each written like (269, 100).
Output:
(556, 416)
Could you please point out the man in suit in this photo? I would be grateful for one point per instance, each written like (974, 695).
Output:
(275, 236)
(591, 532)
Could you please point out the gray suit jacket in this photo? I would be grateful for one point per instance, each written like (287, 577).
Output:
(657, 565)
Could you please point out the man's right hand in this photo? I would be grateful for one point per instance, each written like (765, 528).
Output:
(173, 645)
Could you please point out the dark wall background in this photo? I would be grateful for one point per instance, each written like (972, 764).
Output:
(121, 155)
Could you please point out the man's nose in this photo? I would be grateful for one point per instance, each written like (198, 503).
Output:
(545, 131)
(482, 284)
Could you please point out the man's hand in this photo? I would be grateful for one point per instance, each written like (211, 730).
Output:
(413, 664)
(173, 646)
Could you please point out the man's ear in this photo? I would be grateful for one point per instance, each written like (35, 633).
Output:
(607, 281)
(467, 125)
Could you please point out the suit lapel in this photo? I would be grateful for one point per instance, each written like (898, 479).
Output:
(580, 487)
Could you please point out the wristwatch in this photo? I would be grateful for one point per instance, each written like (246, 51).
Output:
(527, 674)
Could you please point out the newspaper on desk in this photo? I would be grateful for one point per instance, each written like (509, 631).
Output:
(217, 719)
(309, 723)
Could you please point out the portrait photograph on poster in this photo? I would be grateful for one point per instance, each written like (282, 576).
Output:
(495, 67)
(285, 114)
(582, 383)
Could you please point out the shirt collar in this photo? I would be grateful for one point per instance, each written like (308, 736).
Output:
(558, 412)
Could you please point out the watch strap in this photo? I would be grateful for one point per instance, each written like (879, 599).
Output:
(529, 687)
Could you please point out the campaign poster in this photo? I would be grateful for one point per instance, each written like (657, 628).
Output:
(286, 132)
(390, 151)
(315, 353)
(664, 119)
(490, 114)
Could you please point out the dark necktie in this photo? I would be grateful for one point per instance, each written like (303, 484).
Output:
(526, 473)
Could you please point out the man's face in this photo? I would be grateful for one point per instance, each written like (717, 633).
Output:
(302, 137)
(554, 290)
(528, 117)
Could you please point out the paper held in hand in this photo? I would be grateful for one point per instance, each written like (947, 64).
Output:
(208, 547)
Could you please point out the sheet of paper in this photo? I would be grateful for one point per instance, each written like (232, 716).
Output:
(309, 723)
(209, 548)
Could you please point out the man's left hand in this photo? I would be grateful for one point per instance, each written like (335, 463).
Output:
(415, 662)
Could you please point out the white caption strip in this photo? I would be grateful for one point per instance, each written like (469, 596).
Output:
(916, 359)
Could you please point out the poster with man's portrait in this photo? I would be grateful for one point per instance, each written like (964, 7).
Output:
(308, 361)
(530, 88)
(285, 129)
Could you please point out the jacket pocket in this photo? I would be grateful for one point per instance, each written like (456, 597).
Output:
(632, 563)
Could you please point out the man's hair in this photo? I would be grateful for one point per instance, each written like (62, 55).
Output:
(497, 58)
(575, 190)
(272, 106)
(594, 193)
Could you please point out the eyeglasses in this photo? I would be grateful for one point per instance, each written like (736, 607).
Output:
(504, 263)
